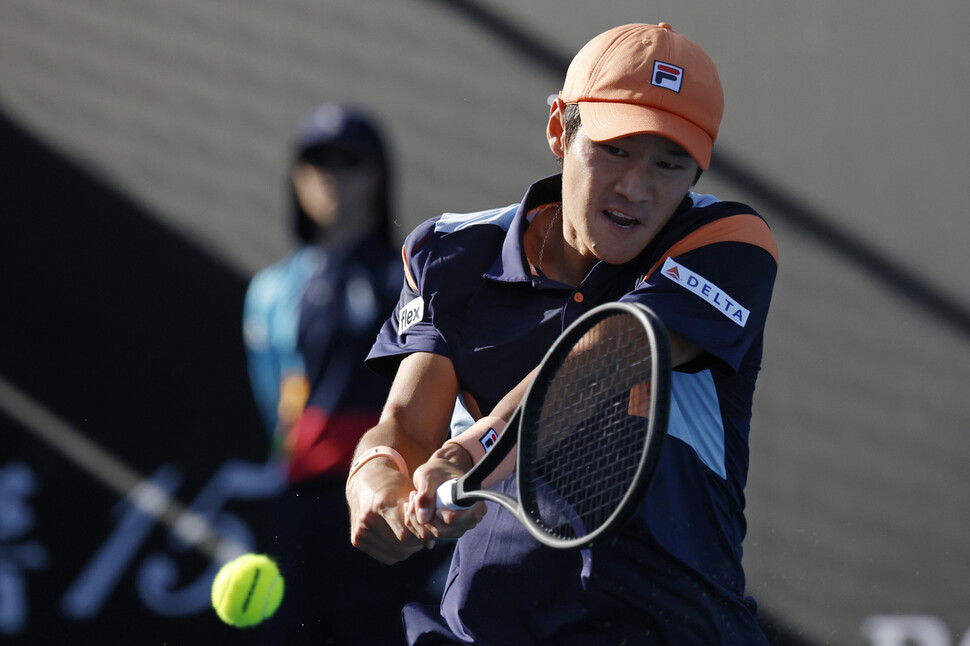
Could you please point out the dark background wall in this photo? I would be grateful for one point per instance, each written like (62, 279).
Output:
(129, 335)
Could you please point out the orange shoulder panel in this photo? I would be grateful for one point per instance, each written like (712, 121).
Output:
(407, 270)
(743, 227)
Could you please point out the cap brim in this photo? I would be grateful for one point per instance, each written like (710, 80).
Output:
(603, 121)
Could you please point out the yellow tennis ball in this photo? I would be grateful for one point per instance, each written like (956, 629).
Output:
(247, 590)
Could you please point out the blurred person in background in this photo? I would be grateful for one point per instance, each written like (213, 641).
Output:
(309, 321)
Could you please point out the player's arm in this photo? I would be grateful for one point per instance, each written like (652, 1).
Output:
(682, 349)
(452, 460)
(414, 423)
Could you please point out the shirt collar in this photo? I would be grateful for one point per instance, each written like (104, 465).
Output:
(512, 266)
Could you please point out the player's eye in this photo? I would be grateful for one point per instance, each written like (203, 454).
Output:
(669, 165)
(613, 150)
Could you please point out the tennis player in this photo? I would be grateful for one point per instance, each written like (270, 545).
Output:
(486, 294)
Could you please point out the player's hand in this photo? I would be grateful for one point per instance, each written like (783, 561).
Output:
(421, 516)
(376, 496)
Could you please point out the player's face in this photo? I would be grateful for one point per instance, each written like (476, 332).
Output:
(618, 194)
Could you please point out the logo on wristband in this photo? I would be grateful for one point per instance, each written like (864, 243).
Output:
(488, 439)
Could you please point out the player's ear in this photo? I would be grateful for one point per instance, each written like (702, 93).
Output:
(555, 128)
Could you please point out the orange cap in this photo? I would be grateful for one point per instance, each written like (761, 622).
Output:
(647, 79)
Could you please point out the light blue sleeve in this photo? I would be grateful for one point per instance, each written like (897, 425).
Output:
(271, 316)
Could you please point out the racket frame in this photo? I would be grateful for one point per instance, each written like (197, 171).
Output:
(466, 490)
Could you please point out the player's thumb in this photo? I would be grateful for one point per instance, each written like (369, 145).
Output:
(423, 498)
(424, 507)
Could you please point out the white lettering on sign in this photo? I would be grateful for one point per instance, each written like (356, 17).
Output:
(909, 630)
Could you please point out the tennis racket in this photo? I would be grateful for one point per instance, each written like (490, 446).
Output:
(587, 434)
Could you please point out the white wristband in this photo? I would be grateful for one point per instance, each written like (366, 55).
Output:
(379, 452)
(480, 437)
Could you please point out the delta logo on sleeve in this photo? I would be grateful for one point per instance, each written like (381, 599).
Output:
(697, 284)
(667, 76)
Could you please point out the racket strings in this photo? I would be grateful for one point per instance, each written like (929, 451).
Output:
(591, 430)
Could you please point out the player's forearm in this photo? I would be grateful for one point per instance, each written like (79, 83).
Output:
(507, 404)
(392, 434)
(416, 418)
(413, 424)
(465, 450)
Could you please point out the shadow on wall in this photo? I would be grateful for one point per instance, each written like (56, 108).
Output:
(132, 336)
(110, 317)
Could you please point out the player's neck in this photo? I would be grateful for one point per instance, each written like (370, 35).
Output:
(537, 237)
(547, 251)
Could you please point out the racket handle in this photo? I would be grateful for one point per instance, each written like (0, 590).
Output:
(445, 496)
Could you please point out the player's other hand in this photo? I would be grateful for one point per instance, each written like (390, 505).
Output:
(422, 517)
(376, 496)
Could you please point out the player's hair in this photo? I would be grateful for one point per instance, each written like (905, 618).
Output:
(571, 121)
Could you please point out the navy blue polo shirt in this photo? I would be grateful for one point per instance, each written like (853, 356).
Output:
(673, 575)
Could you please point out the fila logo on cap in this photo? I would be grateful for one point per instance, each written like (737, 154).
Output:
(667, 76)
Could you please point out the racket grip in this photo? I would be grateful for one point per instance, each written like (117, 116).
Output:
(445, 496)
